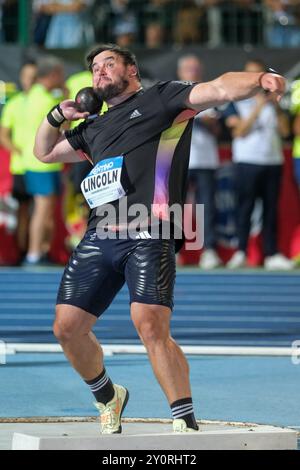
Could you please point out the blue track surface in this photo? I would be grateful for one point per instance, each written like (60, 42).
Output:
(220, 308)
(250, 389)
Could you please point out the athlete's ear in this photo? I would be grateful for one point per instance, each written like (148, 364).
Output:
(132, 70)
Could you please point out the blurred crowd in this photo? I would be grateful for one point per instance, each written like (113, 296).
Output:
(154, 23)
(256, 127)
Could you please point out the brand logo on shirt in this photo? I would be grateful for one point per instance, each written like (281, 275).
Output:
(135, 114)
(143, 235)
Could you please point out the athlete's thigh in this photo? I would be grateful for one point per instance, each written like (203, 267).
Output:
(150, 272)
(89, 281)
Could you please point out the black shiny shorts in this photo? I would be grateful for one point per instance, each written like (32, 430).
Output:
(98, 269)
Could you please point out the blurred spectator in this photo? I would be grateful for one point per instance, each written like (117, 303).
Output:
(256, 125)
(214, 21)
(295, 110)
(204, 160)
(154, 36)
(162, 14)
(284, 16)
(187, 29)
(10, 13)
(124, 28)
(42, 180)
(41, 22)
(242, 22)
(13, 136)
(69, 26)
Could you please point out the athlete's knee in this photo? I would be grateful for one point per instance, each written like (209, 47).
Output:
(151, 325)
(64, 328)
(63, 331)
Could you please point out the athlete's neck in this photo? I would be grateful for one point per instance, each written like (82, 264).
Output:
(124, 96)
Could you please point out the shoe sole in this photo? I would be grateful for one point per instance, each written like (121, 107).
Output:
(123, 408)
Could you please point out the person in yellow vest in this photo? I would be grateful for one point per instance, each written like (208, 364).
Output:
(295, 110)
(12, 137)
(42, 181)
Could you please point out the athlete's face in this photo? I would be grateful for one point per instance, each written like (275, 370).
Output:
(111, 76)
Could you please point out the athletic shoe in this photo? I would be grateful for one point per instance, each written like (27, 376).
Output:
(209, 259)
(111, 413)
(278, 261)
(179, 425)
(238, 260)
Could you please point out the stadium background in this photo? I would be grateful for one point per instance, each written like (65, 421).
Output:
(243, 35)
(162, 65)
(220, 309)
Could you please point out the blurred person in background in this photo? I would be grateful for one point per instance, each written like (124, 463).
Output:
(13, 136)
(69, 26)
(157, 19)
(295, 110)
(41, 20)
(124, 22)
(42, 181)
(256, 125)
(284, 20)
(243, 22)
(10, 18)
(187, 26)
(204, 161)
(154, 36)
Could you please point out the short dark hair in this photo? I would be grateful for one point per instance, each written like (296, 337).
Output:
(128, 57)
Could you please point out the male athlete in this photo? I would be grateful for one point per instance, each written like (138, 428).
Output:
(139, 150)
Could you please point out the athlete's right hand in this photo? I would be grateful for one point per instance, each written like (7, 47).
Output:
(70, 111)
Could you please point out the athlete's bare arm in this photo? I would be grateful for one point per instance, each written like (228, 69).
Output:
(51, 144)
(234, 86)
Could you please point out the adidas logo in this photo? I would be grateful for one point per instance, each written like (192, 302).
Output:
(135, 114)
(143, 235)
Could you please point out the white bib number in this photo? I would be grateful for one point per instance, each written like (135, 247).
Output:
(103, 183)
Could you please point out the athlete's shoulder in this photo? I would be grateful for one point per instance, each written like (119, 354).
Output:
(165, 86)
(175, 83)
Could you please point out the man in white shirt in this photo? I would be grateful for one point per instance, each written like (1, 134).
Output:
(204, 161)
(257, 154)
